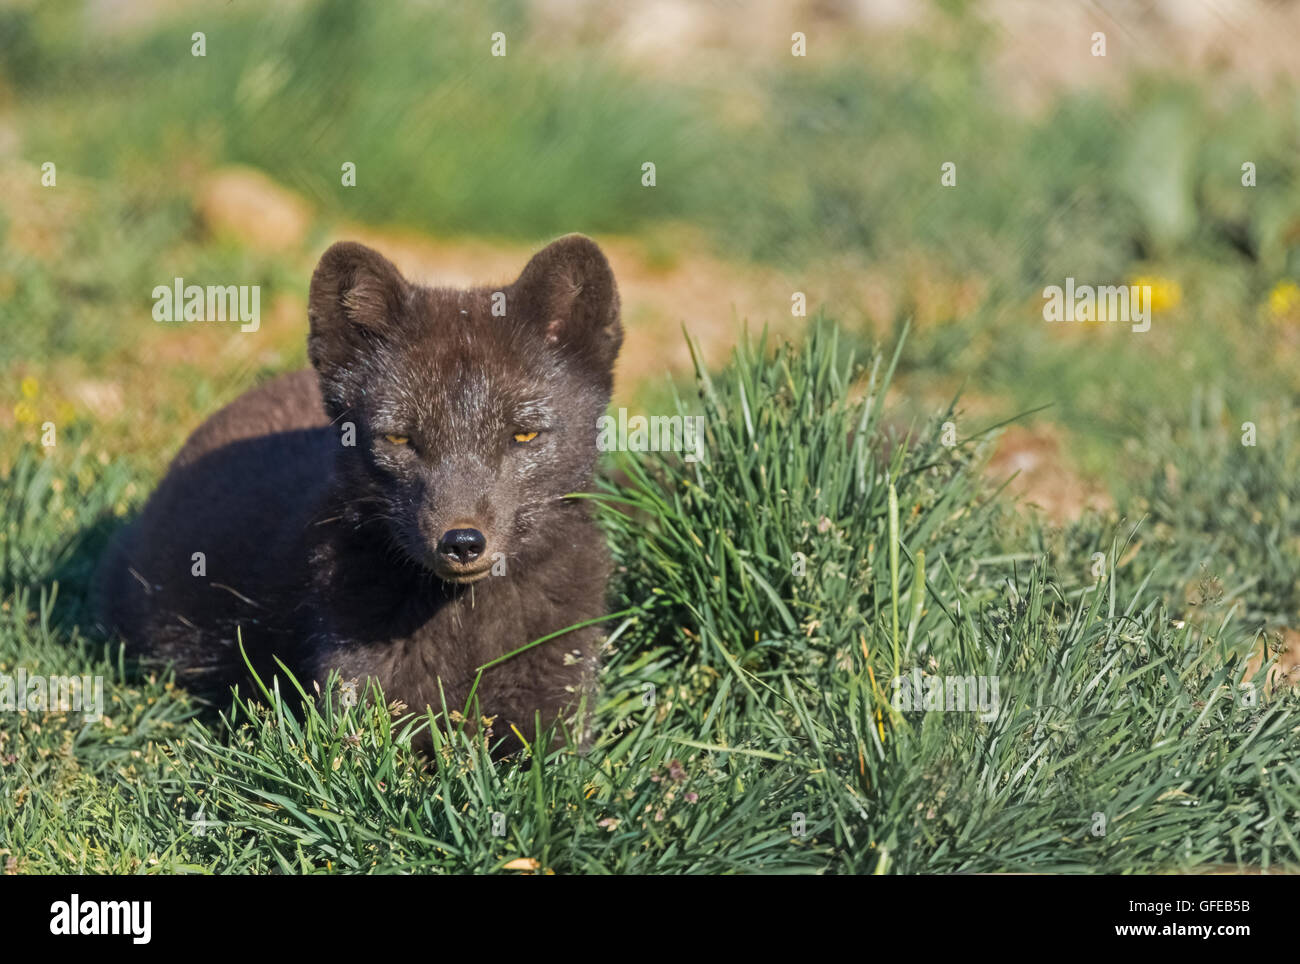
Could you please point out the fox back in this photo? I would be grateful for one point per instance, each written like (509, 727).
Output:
(400, 512)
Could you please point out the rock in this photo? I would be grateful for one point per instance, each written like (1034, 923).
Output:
(247, 206)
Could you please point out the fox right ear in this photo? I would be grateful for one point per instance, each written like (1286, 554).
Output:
(568, 290)
(357, 298)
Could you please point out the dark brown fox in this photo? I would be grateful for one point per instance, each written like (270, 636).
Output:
(400, 512)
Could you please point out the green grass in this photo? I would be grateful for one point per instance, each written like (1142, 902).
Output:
(741, 691)
(400, 91)
(837, 159)
(771, 590)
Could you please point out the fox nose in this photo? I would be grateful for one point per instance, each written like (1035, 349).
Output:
(462, 545)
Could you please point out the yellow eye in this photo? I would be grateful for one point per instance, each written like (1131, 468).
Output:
(525, 436)
(397, 439)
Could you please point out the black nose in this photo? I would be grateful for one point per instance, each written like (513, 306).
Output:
(462, 545)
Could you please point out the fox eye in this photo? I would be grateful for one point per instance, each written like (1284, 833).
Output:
(525, 436)
(398, 439)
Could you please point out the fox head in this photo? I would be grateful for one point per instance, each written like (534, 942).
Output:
(474, 410)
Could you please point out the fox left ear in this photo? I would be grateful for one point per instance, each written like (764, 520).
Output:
(569, 289)
(355, 303)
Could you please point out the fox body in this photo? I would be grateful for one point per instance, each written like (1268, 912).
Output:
(398, 512)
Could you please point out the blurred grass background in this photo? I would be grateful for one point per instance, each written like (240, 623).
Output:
(775, 174)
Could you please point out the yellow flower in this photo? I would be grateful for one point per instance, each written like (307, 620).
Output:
(1165, 292)
(25, 413)
(1284, 299)
(522, 863)
(29, 387)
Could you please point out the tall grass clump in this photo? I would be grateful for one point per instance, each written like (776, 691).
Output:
(791, 593)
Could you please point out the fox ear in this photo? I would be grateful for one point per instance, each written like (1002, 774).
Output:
(357, 297)
(569, 290)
